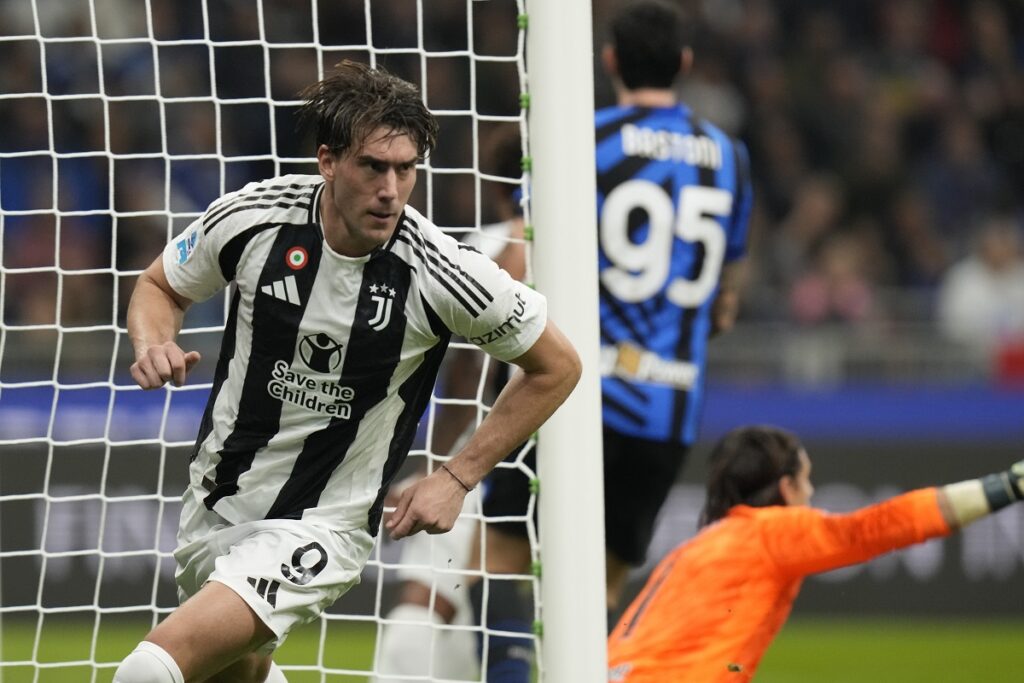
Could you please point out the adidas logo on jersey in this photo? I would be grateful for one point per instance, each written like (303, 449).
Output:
(285, 290)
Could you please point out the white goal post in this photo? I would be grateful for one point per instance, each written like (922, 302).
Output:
(120, 120)
(565, 213)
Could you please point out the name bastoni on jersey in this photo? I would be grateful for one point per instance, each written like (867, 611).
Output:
(321, 396)
(698, 150)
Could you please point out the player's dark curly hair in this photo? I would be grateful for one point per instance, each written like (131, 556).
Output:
(648, 37)
(354, 100)
(745, 468)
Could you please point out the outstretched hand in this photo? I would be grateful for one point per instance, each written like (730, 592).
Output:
(432, 504)
(162, 363)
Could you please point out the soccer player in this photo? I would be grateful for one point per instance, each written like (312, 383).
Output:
(712, 606)
(674, 198)
(344, 300)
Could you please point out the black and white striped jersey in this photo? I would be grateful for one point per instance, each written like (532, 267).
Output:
(327, 361)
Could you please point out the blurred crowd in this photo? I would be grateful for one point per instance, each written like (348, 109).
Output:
(887, 139)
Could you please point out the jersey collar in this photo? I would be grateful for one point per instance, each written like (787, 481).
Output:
(315, 216)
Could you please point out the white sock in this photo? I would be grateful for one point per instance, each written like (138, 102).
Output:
(405, 649)
(275, 675)
(148, 663)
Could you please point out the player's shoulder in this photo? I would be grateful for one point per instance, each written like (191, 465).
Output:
(609, 115)
(733, 150)
(794, 515)
(419, 238)
(281, 199)
(442, 265)
(707, 128)
(747, 529)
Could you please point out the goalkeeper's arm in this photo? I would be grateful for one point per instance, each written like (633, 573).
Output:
(967, 501)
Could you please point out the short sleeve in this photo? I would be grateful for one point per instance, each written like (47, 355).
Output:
(191, 263)
(484, 304)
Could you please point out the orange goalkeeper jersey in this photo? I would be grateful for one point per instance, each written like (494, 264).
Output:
(712, 606)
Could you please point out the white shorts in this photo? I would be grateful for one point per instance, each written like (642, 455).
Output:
(440, 560)
(288, 571)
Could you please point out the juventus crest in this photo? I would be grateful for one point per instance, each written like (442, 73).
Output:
(384, 297)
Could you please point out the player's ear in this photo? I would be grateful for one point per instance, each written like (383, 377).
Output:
(609, 61)
(325, 162)
(788, 489)
(685, 61)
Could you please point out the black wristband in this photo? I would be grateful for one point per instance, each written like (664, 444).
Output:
(1001, 490)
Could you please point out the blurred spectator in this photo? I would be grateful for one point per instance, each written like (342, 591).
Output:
(838, 288)
(981, 301)
(816, 212)
(876, 166)
(919, 257)
(960, 178)
(902, 117)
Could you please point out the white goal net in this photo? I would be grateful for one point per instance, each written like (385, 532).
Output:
(120, 121)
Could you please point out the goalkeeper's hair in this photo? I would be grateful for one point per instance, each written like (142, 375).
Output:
(746, 466)
(648, 37)
(353, 101)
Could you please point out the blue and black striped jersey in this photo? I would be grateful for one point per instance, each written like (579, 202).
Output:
(674, 199)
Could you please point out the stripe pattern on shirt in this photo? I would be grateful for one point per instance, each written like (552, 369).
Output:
(275, 327)
(670, 149)
(473, 296)
(371, 357)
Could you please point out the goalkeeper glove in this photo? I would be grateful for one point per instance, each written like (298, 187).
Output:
(1004, 488)
(973, 499)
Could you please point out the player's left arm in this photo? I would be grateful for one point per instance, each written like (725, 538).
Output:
(547, 374)
(726, 306)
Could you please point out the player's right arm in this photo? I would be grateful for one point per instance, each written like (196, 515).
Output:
(806, 541)
(155, 315)
(189, 269)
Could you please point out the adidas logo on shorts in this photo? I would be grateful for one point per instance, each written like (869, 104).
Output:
(266, 588)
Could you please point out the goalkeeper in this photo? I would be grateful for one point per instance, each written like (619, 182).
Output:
(344, 300)
(712, 606)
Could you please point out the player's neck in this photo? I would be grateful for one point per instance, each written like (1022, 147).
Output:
(646, 97)
(339, 237)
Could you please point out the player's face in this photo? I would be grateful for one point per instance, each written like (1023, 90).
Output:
(797, 489)
(366, 191)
